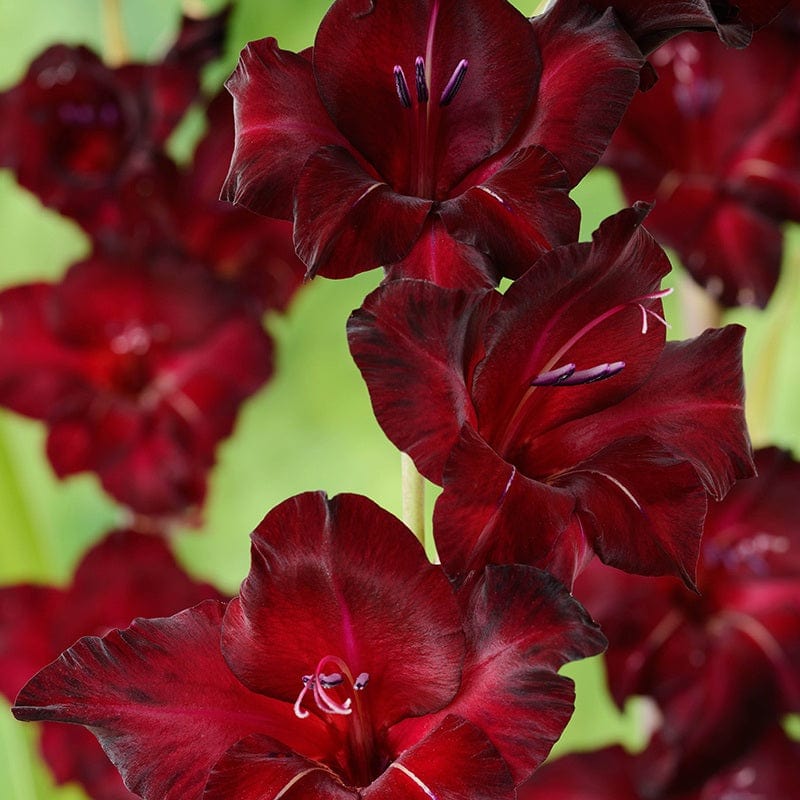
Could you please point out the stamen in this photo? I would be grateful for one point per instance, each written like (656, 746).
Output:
(402, 87)
(454, 84)
(422, 85)
(361, 681)
(554, 376)
(329, 681)
(320, 682)
(300, 712)
(568, 376)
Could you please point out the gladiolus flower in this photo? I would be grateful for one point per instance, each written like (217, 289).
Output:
(348, 667)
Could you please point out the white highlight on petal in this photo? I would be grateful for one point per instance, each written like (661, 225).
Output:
(492, 194)
(414, 778)
(293, 781)
(621, 486)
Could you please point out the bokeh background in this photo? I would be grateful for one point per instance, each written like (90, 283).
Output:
(312, 426)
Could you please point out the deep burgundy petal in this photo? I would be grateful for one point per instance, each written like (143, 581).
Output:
(453, 762)
(425, 149)
(522, 626)
(139, 370)
(581, 304)
(280, 122)
(717, 697)
(25, 645)
(653, 22)
(347, 222)
(127, 574)
(590, 72)
(734, 250)
(74, 755)
(436, 256)
(344, 578)
(519, 212)
(38, 374)
(489, 512)
(696, 379)
(147, 692)
(714, 145)
(415, 344)
(641, 508)
(599, 775)
(260, 768)
(768, 770)
(751, 508)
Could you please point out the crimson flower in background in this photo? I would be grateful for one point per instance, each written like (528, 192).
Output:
(652, 22)
(435, 138)
(555, 416)
(138, 370)
(126, 575)
(716, 145)
(348, 667)
(767, 772)
(721, 666)
(74, 129)
(253, 252)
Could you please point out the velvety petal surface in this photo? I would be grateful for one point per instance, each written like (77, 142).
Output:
(582, 304)
(416, 345)
(489, 512)
(346, 221)
(73, 755)
(521, 211)
(522, 626)
(425, 148)
(160, 699)
(695, 379)
(653, 22)
(640, 507)
(590, 72)
(280, 122)
(260, 768)
(342, 578)
(436, 256)
(454, 761)
(127, 574)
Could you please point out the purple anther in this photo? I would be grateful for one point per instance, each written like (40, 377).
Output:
(422, 84)
(402, 87)
(329, 681)
(554, 376)
(454, 84)
(593, 374)
(361, 681)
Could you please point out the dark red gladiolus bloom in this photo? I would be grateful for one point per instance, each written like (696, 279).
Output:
(138, 371)
(555, 416)
(716, 145)
(126, 575)
(721, 666)
(652, 22)
(348, 667)
(767, 772)
(434, 138)
(75, 129)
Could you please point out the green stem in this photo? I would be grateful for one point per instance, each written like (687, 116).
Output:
(116, 45)
(413, 498)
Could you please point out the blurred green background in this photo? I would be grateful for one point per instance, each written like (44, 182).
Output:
(312, 426)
